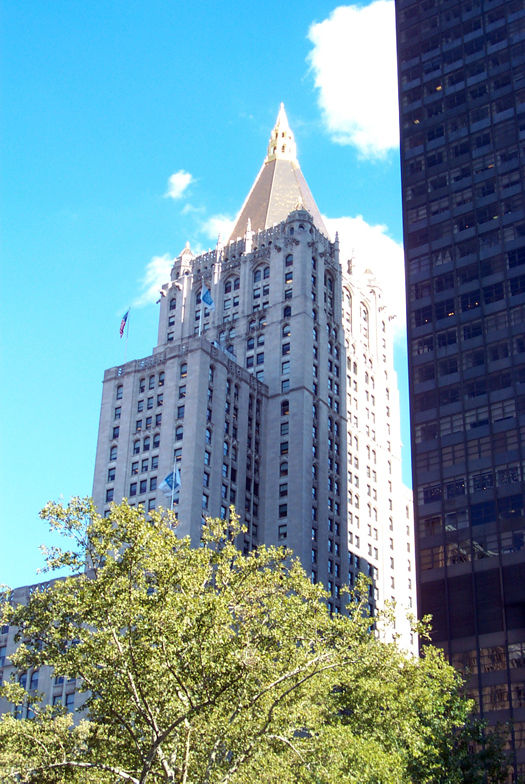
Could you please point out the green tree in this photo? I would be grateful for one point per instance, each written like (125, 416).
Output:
(201, 665)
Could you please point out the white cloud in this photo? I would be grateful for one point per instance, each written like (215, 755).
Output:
(371, 248)
(178, 183)
(189, 209)
(355, 68)
(218, 224)
(157, 272)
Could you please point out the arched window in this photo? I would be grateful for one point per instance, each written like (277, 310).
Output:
(184, 370)
(286, 330)
(136, 447)
(207, 435)
(33, 684)
(285, 408)
(179, 431)
(142, 384)
(266, 273)
(236, 284)
(288, 260)
(156, 440)
(173, 303)
(287, 311)
(257, 275)
(120, 390)
(146, 444)
(228, 286)
(283, 469)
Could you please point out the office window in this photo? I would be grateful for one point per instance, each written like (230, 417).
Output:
(109, 494)
(111, 474)
(116, 431)
(180, 412)
(282, 532)
(133, 489)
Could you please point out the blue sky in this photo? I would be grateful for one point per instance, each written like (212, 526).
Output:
(102, 102)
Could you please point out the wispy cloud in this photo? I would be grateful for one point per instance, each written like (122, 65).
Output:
(372, 249)
(189, 209)
(157, 272)
(178, 183)
(354, 63)
(218, 224)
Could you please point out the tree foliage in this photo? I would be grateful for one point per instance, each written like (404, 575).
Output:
(205, 666)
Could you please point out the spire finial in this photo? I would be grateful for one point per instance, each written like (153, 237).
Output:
(282, 142)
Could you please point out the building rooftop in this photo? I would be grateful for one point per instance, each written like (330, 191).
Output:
(280, 187)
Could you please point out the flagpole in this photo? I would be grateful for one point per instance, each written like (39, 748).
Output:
(127, 335)
(173, 482)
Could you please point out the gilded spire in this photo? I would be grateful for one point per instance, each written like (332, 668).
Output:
(279, 188)
(282, 143)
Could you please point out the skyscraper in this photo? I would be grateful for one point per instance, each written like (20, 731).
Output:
(462, 105)
(271, 389)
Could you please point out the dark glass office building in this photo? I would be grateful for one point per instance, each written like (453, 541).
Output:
(462, 107)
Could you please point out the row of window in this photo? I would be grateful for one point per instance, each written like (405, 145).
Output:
(139, 488)
(147, 444)
(148, 423)
(503, 476)
(474, 329)
(468, 302)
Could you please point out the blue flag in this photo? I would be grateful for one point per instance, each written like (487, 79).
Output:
(207, 298)
(171, 484)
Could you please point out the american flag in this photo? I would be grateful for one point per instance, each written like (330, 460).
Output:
(123, 322)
